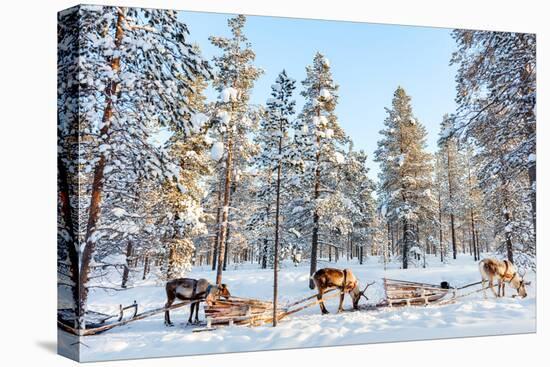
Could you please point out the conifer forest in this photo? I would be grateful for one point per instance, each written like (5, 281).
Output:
(169, 168)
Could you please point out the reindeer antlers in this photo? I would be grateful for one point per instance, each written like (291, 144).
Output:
(364, 290)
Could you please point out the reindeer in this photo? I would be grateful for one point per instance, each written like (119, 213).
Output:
(343, 279)
(505, 272)
(188, 289)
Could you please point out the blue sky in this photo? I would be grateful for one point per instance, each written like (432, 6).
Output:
(368, 61)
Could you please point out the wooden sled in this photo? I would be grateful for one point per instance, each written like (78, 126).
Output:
(406, 293)
(252, 312)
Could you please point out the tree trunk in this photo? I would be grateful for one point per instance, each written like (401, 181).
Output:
(276, 245)
(145, 267)
(264, 255)
(216, 244)
(315, 234)
(406, 243)
(474, 243)
(228, 234)
(509, 245)
(225, 209)
(126, 272)
(72, 243)
(98, 180)
(453, 235)
(226, 247)
(441, 250)
(533, 195)
(478, 245)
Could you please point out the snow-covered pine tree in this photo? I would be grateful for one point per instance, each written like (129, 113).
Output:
(405, 176)
(453, 167)
(128, 83)
(440, 192)
(474, 202)
(496, 95)
(183, 216)
(321, 140)
(506, 198)
(276, 154)
(235, 78)
(354, 204)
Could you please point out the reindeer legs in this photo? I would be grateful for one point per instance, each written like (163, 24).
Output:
(197, 312)
(169, 302)
(491, 285)
(340, 306)
(502, 285)
(324, 310)
(192, 307)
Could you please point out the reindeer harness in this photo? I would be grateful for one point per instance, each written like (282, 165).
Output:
(504, 278)
(194, 293)
(344, 286)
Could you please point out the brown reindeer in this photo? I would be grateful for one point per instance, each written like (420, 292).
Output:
(505, 272)
(188, 289)
(344, 280)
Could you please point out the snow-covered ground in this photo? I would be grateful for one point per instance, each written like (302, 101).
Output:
(470, 316)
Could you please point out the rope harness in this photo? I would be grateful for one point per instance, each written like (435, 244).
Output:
(344, 285)
(509, 281)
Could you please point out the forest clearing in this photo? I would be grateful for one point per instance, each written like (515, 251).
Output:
(470, 316)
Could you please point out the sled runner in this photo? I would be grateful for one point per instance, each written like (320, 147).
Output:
(97, 322)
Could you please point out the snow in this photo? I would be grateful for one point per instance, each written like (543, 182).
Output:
(339, 157)
(182, 188)
(320, 120)
(400, 160)
(470, 316)
(224, 117)
(295, 232)
(229, 94)
(119, 212)
(446, 132)
(325, 94)
(198, 120)
(216, 153)
(297, 209)
(384, 210)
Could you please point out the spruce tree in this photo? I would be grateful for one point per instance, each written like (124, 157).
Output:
(496, 95)
(128, 85)
(405, 177)
(234, 79)
(321, 140)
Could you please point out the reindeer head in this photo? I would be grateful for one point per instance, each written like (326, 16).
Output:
(214, 292)
(356, 294)
(223, 291)
(520, 283)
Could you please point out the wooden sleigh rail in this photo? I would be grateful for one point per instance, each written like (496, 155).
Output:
(107, 326)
